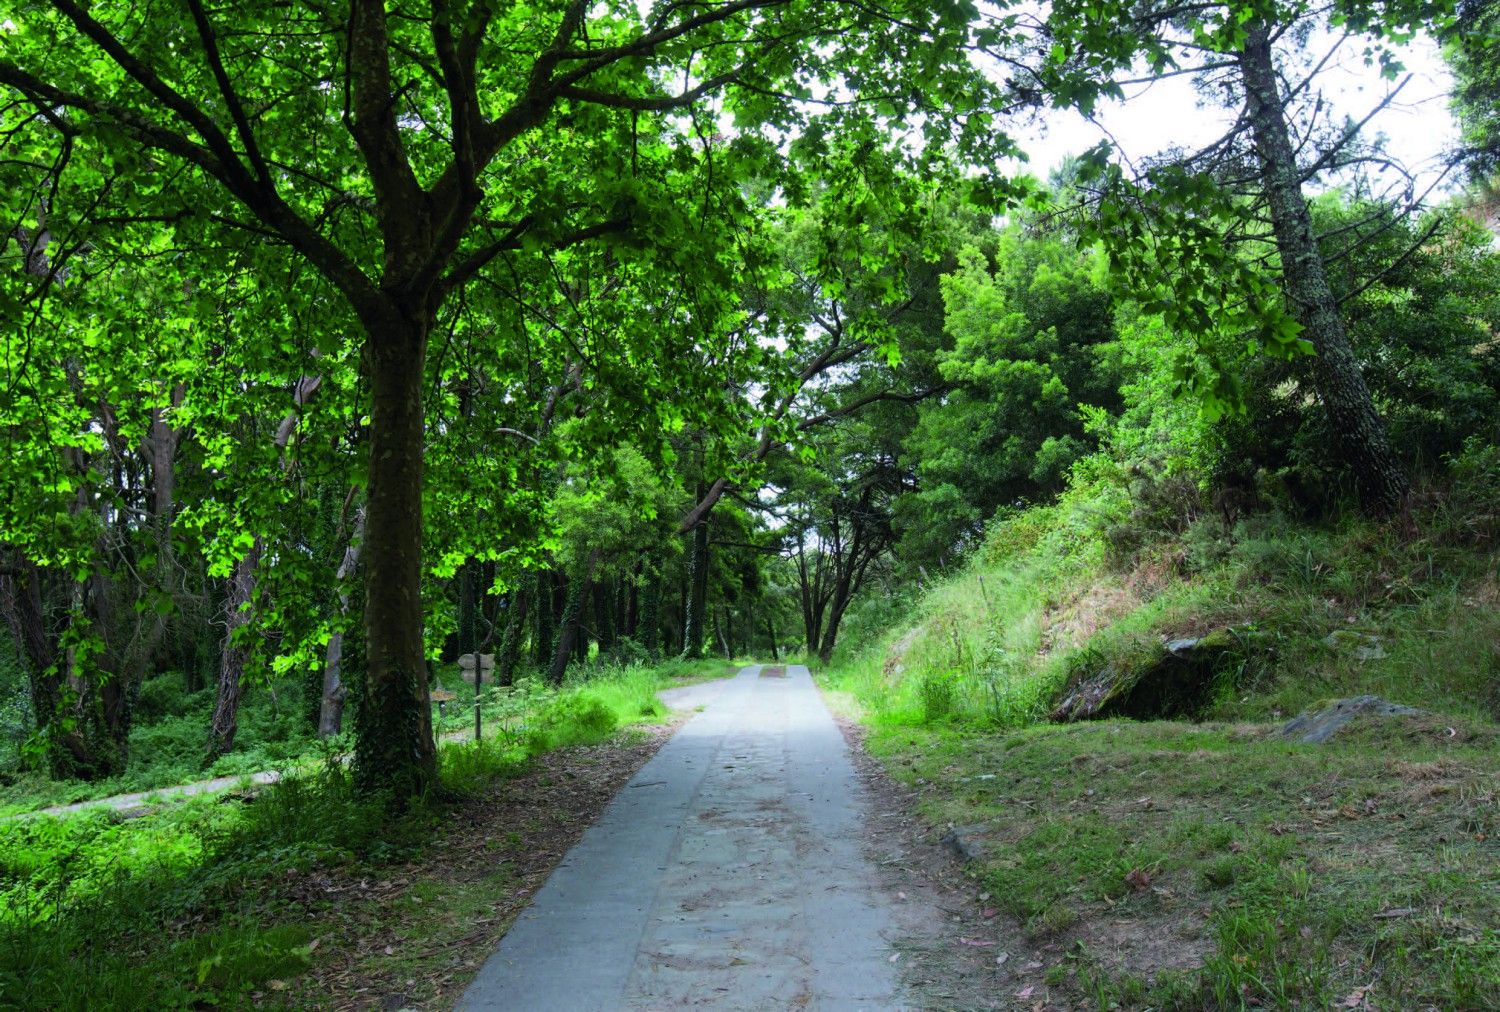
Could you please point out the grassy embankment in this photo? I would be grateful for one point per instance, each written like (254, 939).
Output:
(208, 901)
(1211, 863)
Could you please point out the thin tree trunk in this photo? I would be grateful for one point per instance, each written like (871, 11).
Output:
(1355, 420)
(630, 606)
(541, 635)
(604, 616)
(771, 631)
(568, 628)
(697, 603)
(331, 712)
(721, 625)
(161, 449)
(650, 620)
(509, 653)
(232, 658)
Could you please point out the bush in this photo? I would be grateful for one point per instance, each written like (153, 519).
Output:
(576, 719)
(165, 695)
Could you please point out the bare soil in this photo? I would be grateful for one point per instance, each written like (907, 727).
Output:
(957, 951)
(414, 939)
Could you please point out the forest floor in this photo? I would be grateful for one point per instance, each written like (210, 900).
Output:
(1178, 865)
(132, 804)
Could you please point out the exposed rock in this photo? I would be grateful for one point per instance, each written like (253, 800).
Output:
(1364, 646)
(969, 843)
(1178, 681)
(1316, 727)
(895, 660)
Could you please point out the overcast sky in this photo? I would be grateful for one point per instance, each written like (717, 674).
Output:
(1417, 124)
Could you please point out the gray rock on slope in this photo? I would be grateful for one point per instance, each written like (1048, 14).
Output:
(1316, 727)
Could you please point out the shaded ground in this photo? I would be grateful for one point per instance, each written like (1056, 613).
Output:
(955, 950)
(690, 690)
(415, 939)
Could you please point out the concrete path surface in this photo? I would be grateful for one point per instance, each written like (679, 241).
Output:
(729, 873)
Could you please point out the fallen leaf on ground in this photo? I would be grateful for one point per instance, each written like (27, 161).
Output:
(978, 943)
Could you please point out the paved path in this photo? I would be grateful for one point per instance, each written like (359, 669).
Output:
(729, 873)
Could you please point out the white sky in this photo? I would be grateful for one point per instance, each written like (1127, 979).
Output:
(1418, 125)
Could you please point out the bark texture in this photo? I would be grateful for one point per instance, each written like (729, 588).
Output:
(697, 598)
(509, 654)
(1341, 386)
(335, 692)
(569, 628)
(232, 658)
(394, 748)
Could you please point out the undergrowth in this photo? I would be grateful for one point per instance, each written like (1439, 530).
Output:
(158, 912)
(1212, 863)
(1409, 610)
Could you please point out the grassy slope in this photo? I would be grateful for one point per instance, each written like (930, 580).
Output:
(185, 905)
(1217, 864)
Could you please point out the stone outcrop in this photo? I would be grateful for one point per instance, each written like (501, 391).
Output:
(1177, 681)
(1317, 726)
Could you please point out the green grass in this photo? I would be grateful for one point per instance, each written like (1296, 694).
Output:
(161, 912)
(1247, 870)
(1045, 600)
(1267, 862)
(168, 742)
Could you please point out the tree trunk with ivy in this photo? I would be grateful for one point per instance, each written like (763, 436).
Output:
(237, 616)
(508, 654)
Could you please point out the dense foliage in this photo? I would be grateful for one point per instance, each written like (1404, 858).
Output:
(349, 346)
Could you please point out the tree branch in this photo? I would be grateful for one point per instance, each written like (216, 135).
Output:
(231, 98)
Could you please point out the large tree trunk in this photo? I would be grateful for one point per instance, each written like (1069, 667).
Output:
(1354, 418)
(232, 663)
(24, 599)
(836, 608)
(331, 710)
(394, 748)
